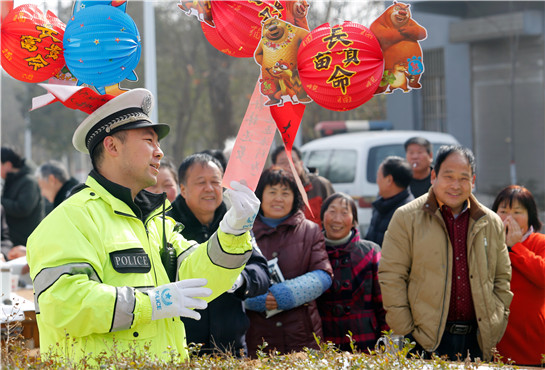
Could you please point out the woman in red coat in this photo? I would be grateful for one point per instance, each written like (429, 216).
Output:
(286, 317)
(524, 338)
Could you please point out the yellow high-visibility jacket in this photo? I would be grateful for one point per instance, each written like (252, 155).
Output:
(92, 259)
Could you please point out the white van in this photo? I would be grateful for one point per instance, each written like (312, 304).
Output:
(350, 161)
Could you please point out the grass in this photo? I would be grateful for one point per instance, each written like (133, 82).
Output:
(16, 356)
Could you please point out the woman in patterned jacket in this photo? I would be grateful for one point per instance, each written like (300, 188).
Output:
(353, 303)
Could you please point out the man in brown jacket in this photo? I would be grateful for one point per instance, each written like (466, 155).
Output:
(445, 271)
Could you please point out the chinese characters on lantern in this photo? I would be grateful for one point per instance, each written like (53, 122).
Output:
(340, 66)
(49, 51)
(340, 76)
(32, 49)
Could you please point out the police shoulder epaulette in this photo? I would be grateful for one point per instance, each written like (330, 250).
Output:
(78, 188)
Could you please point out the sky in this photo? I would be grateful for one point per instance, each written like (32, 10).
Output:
(52, 4)
(42, 4)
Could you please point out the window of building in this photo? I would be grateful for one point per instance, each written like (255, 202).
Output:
(433, 91)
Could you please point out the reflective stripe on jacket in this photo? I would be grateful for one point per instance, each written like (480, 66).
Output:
(91, 260)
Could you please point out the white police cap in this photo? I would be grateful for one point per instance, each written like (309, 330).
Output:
(126, 111)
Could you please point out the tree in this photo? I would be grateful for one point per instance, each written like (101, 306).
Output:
(202, 93)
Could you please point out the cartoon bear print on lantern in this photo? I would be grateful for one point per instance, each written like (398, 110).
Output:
(399, 37)
(200, 9)
(277, 56)
(398, 78)
(296, 13)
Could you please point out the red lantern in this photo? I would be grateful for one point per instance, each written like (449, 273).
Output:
(211, 34)
(32, 44)
(239, 23)
(340, 66)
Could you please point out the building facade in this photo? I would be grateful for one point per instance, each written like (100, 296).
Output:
(483, 83)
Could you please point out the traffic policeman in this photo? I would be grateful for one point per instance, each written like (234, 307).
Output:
(110, 271)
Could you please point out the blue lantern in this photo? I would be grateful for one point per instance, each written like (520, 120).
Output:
(101, 46)
(82, 4)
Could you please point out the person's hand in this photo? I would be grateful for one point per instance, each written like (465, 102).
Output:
(513, 232)
(25, 269)
(16, 252)
(177, 299)
(244, 207)
(270, 302)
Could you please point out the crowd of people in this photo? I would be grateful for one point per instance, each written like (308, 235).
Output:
(153, 256)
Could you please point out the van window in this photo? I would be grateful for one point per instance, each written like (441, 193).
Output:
(377, 155)
(318, 159)
(338, 166)
(342, 166)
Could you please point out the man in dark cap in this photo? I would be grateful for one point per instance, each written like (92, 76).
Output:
(107, 265)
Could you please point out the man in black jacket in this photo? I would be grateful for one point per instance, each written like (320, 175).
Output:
(393, 178)
(419, 154)
(6, 240)
(55, 183)
(200, 208)
(21, 197)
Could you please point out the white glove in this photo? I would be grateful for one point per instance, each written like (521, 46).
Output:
(244, 207)
(176, 299)
(237, 284)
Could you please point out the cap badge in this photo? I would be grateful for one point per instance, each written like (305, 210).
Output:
(146, 104)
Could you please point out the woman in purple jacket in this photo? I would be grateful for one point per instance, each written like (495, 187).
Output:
(353, 303)
(286, 317)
